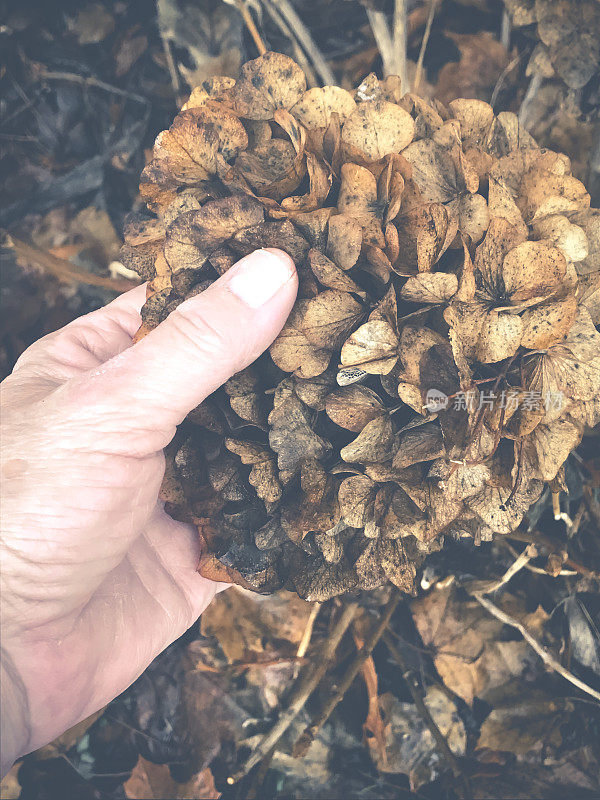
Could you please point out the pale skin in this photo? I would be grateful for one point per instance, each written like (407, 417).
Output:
(96, 578)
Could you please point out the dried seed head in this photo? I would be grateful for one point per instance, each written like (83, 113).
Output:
(441, 360)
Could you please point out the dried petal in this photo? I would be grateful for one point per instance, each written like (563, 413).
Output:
(291, 434)
(268, 83)
(263, 475)
(374, 442)
(187, 152)
(356, 495)
(194, 235)
(353, 407)
(330, 275)
(344, 240)
(373, 348)
(430, 287)
(293, 352)
(421, 303)
(358, 199)
(315, 107)
(375, 129)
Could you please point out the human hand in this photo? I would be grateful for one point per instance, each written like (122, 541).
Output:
(96, 578)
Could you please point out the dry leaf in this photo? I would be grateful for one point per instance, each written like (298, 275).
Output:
(467, 650)
(150, 781)
(409, 744)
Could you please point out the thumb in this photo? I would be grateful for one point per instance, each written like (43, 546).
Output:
(142, 394)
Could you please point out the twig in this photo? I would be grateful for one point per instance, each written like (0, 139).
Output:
(242, 7)
(486, 587)
(72, 77)
(306, 684)
(383, 38)
(532, 90)
(592, 505)
(399, 43)
(306, 636)
(13, 137)
(502, 77)
(391, 44)
(537, 537)
(426, 35)
(304, 36)
(538, 570)
(263, 768)
(505, 30)
(311, 731)
(558, 514)
(419, 701)
(546, 657)
(577, 519)
(373, 726)
(260, 775)
(173, 72)
(237, 667)
(36, 113)
(64, 270)
(18, 111)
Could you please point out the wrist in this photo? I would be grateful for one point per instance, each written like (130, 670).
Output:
(14, 727)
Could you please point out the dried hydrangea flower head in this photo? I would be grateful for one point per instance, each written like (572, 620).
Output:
(441, 361)
(569, 34)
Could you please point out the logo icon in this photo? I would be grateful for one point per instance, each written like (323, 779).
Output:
(436, 400)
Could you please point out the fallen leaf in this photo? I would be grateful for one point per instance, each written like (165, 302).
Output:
(523, 724)
(92, 24)
(409, 743)
(467, 649)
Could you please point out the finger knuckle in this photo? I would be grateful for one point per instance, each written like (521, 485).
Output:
(203, 334)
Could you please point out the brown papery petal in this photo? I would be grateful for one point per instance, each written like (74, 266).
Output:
(268, 83)
(533, 270)
(430, 287)
(352, 407)
(373, 130)
(373, 348)
(315, 107)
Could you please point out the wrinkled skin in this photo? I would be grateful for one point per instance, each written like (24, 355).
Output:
(96, 578)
